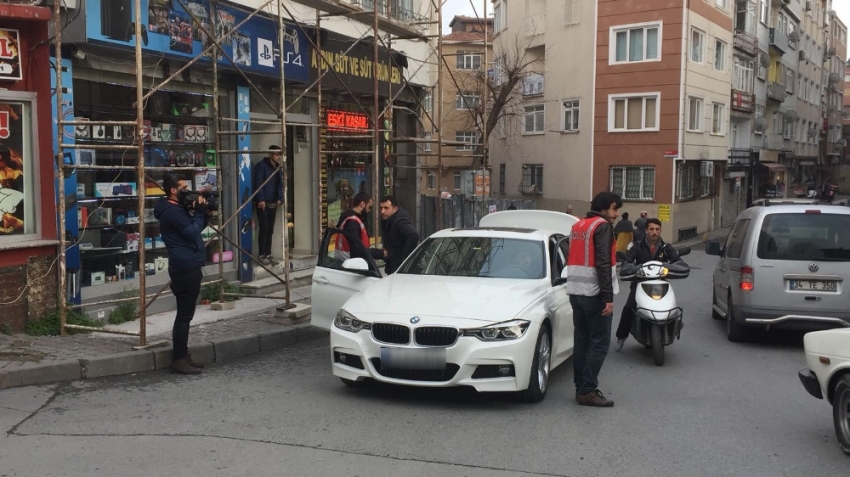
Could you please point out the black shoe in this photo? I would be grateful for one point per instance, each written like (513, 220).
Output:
(594, 398)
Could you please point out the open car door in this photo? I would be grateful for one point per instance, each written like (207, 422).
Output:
(337, 278)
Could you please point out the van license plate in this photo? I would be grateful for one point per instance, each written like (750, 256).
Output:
(813, 285)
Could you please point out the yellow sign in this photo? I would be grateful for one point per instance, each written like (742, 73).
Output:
(664, 213)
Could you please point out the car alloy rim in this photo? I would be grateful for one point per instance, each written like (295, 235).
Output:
(844, 413)
(543, 362)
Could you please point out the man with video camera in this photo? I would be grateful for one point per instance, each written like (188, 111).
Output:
(182, 215)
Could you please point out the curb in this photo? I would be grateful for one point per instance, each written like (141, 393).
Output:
(223, 349)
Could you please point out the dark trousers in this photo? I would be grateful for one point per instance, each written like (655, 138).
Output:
(591, 341)
(186, 286)
(628, 314)
(266, 218)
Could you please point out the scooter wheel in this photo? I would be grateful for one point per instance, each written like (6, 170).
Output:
(657, 346)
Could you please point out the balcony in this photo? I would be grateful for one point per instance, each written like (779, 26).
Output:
(776, 92)
(746, 43)
(775, 142)
(745, 102)
(779, 41)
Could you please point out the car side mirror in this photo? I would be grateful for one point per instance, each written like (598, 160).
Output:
(355, 265)
(685, 251)
(712, 248)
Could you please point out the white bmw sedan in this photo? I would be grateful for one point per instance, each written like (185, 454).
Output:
(484, 307)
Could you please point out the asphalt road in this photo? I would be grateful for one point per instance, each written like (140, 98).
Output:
(714, 409)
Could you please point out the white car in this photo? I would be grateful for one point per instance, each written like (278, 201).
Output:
(483, 307)
(828, 359)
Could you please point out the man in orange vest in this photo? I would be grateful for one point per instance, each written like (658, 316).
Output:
(354, 241)
(591, 284)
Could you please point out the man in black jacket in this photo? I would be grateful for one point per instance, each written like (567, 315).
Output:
(400, 236)
(180, 228)
(652, 248)
(268, 197)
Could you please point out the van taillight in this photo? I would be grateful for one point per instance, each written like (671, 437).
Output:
(747, 278)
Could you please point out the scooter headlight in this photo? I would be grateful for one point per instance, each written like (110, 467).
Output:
(656, 291)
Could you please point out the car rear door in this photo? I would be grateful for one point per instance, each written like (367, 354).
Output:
(727, 275)
(332, 285)
(803, 262)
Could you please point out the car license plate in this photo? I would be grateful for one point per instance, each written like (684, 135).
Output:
(813, 285)
(413, 358)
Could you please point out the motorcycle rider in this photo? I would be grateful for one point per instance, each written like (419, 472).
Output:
(651, 248)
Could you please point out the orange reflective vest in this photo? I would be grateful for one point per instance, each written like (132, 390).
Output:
(581, 263)
(342, 250)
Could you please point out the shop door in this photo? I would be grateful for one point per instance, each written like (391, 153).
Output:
(731, 201)
(263, 141)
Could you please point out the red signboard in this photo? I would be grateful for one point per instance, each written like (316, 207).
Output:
(347, 120)
(671, 153)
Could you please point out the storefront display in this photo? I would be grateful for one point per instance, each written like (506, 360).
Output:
(15, 175)
(178, 132)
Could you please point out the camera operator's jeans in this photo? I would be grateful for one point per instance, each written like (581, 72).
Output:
(186, 286)
(266, 218)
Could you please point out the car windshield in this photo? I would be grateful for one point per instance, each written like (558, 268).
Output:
(805, 237)
(478, 257)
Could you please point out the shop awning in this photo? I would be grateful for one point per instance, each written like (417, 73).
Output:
(773, 167)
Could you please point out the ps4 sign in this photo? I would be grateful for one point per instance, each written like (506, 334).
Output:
(182, 29)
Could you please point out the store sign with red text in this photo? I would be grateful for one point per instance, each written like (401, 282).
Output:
(10, 55)
(341, 120)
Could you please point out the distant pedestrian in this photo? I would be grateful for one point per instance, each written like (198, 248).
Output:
(268, 197)
(624, 232)
(640, 225)
(512, 207)
(399, 235)
(570, 210)
(591, 286)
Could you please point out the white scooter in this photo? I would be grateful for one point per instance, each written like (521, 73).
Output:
(658, 318)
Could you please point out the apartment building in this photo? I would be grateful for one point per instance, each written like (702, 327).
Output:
(462, 109)
(844, 168)
(542, 148)
(836, 81)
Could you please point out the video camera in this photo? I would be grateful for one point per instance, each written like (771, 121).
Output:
(190, 199)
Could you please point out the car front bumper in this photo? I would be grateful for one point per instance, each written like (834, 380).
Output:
(810, 382)
(462, 360)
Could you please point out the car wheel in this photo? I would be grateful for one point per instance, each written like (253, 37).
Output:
(657, 345)
(538, 381)
(735, 331)
(714, 313)
(353, 384)
(841, 412)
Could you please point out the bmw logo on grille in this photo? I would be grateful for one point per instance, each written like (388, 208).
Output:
(415, 319)
(813, 267)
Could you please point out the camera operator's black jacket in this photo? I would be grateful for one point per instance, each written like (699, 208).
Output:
(181, 233)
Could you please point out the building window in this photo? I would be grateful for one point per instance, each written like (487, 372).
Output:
(457, 181)
(718, 119)
(466, 100)
(468, 60)
(705, 186)
(502, 178)
(686, 182)
(697, 46)
(532, 179)
(719, 55)
(426, 146)
(638, 112)
(721, 3)
(432, 181)
(759, 114)
(532, 84)
(745, 16)
(635, 43)
(764, 12)
(571, 112)
(695, 114)
(572, 12)
(762, 71)
(790, 75)
(533, 119)
(19, 170)
(428, 101)
(467, 137)
(787, 129)
(497, 18)
(633, 183)
(743, 79)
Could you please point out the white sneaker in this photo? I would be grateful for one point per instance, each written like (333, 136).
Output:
(620, 343)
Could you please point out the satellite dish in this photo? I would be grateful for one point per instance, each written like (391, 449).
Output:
(832, 13)
(764, 58)
(760, 124)
(842, 142)
(794, 36)
(813, 132)
(830, 52)
(834, 78)
(791, 116)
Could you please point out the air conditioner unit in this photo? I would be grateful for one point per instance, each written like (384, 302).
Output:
(809, 5)
(802, 55)
(706, 169)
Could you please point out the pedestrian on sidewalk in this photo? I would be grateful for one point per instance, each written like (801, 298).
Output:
(354, 241)
(640, 225)
(592, 285)
(624, 233)
(268, 197)
(180, 224)
(399, 235)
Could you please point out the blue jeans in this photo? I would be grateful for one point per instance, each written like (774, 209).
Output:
(591, 341)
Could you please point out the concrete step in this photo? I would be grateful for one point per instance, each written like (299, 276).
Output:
(272, 286)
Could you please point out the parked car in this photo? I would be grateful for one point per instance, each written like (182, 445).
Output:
(483, 307)
(828, 374)
(783, 266)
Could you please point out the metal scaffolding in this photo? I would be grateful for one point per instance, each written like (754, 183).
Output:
(386, 21)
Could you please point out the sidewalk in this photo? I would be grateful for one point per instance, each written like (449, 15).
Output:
(716, 234)
(216, 336)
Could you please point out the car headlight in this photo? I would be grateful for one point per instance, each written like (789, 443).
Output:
(656, 291)
(348, 322)
(509, 330)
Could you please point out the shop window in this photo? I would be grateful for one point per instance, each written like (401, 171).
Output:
(18, 168)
